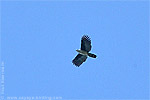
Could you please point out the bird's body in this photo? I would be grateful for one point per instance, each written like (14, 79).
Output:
(84, 51)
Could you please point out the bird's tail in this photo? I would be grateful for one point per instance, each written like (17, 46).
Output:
(91, 55)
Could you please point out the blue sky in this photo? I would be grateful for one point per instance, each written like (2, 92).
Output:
(39, 40)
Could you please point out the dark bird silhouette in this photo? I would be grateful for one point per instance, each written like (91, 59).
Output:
(83, 53)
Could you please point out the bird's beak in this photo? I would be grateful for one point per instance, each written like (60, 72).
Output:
(77, 50)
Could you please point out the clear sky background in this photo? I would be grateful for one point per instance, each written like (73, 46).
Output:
(39, 39)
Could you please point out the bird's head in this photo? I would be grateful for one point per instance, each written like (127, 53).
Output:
(78, 50)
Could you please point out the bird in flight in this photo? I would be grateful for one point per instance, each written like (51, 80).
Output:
(83, 53)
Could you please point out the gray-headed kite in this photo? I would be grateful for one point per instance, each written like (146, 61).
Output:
(83, 53)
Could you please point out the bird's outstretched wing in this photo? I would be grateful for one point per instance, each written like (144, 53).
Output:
(79, 59)
(86, 43)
